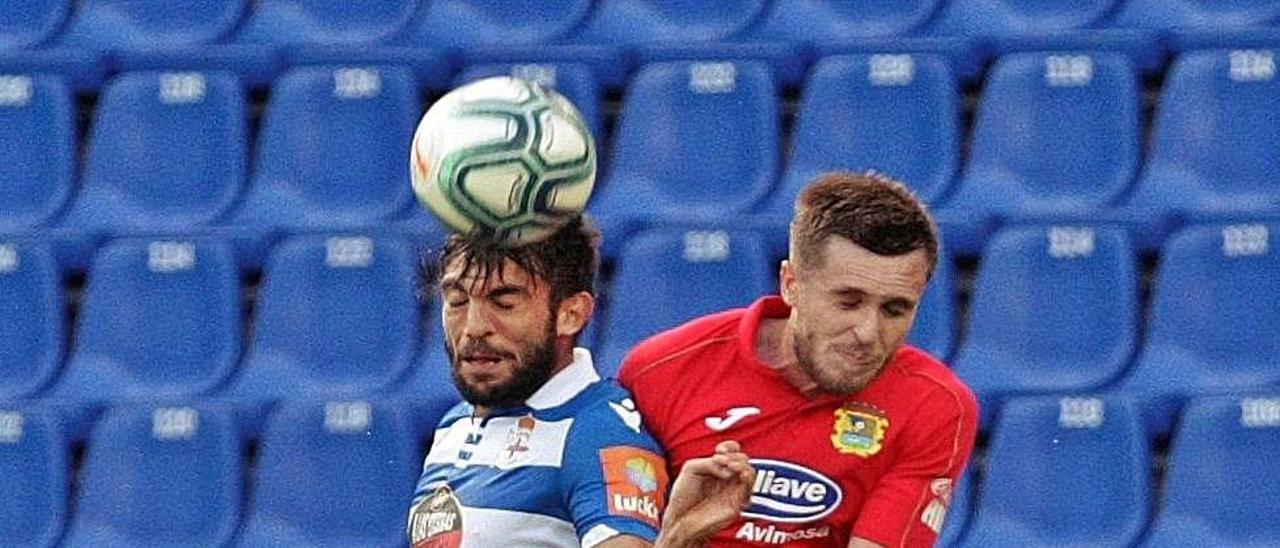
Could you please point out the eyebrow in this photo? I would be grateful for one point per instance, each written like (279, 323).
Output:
(847, 292)
(494, 293)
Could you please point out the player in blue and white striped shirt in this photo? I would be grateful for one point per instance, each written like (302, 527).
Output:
(543, 452)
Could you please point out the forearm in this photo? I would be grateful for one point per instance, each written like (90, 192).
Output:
(675, 536)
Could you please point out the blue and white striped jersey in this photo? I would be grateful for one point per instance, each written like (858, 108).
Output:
(572, 467)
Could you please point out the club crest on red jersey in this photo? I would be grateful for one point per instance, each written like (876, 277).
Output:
(859, 429)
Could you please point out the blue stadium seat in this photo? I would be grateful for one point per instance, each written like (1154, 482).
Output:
(37, 149)
(1189, 348)
(159, 319)
(160, 476)
(168, 151)
(576, 81)
(1064, 472)
(1055, 134)
(666, 276)
(1215, 127)
(32, 23)
(476, 23)
(1054, 309)
(833, 22)
(959, 510)
(1015, 18)
(695, 140)
(646, 22)
(896, 114)
(324, 22)
(1222, 471)
(1190, 14)
(336, 316)
(333, 474)
(31, 320)
(36, 469)
(331, 152)
(149, 24)
(935, 326)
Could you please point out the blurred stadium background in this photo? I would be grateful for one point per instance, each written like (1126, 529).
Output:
(209, 330)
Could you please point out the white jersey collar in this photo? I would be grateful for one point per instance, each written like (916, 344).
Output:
(566, 384)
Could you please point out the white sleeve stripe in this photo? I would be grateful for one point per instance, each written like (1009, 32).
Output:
(598, 534)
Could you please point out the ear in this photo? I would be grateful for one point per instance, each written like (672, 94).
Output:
(573, 314)
(787, 282)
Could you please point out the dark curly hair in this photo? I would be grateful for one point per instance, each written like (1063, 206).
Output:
(567, 260)
(870, 210)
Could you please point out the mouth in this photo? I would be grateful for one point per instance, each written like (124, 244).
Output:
(860, 359)
(482, 363)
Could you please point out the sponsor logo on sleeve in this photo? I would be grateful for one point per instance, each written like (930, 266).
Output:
(935, 513)
(635, 483)
(859, 429)
(436, 521)
(790, 493)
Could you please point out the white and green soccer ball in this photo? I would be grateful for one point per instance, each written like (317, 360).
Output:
(503, 157)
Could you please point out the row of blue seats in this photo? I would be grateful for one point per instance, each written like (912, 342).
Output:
(112, 24)
(326, 474)
(1055, 137)
(1076, 471)
(583, 29)
(1058, 471)
(1053, 309)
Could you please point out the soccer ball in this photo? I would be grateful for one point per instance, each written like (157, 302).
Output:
(505, 158)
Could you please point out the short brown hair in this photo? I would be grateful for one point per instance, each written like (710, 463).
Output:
(567, 260)
(870, 210)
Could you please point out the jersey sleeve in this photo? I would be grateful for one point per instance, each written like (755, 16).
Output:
(646, 386)
(907, 507)
(615, 479)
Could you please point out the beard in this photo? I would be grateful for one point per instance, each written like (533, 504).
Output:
(534, 365)
(830, 379)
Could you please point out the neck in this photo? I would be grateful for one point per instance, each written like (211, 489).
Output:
(564, 358)
(775, 346)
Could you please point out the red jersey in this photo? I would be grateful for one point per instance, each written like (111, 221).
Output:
(878, 464)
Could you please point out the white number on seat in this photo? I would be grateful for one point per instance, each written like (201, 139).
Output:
(703, 246)
(713, 77)
(1081, 412)
(174, 423)
(1260, 412)
(1251, 65)
(1245, 240)
(347, 417)
(542, 74)
(11, 426)
(356, 83)
(892, 70)
(8, 258)
(348, 252)
(16, 90)
(178, 88)
(1068, 70)
(171, 256)
(1067, 242)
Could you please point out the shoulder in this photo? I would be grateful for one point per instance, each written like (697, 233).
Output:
(459, 411)
(671, 348)
(939, 390)
(605, 414)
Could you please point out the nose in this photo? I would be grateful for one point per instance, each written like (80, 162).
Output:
(866, 325)
(477, 323)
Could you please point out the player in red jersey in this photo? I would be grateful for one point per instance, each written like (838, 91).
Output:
(856, 437)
